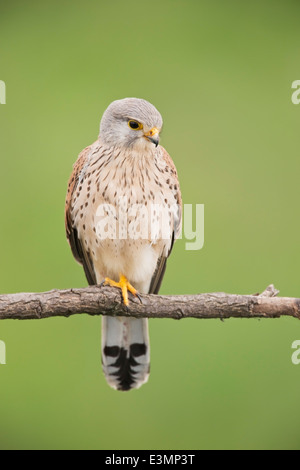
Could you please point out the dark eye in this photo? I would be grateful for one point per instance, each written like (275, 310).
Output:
(135, 125)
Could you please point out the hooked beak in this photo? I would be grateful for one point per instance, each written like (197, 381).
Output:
(153, 136)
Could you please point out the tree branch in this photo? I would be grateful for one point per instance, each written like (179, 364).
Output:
(96, 300)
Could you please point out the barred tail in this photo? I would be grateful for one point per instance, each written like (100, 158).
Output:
(125, 352)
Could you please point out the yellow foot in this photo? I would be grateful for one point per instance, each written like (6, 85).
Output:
(125, 287)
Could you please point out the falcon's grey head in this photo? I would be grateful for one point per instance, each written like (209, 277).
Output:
(131, 122)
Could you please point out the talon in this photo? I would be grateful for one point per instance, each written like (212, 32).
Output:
(125, 287)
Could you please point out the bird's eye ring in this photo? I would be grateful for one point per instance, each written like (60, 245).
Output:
(135, 125)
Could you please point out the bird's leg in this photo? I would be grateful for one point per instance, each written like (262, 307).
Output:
(125, 287)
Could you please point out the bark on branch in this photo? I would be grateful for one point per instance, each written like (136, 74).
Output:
(107, 301)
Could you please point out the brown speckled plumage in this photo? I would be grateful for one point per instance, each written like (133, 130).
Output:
(116, 178)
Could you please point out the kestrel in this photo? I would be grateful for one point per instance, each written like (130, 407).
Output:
(123, 214)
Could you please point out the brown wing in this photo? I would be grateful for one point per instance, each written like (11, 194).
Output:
(79, 253)
(162, 261)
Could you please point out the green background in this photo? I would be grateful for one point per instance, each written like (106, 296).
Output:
(220, 73)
